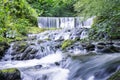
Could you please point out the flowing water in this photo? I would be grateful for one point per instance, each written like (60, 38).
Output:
(50, 62)
(64, 22)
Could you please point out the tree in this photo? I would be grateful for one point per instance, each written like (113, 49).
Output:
(107, 14)
(53, 8)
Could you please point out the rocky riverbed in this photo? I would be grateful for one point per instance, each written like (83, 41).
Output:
(73, 43)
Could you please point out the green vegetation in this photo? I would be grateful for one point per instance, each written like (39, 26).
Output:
(53, 7)
(11, 70)
(67, 43)
(18, 17)
(35, 30)
(15, 18)
(106, 24)
(115, 76)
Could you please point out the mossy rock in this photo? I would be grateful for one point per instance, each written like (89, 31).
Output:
(10, 74)
(115, 76)
(3, 47)
(67, 43)
(12, 70)
(20, 46)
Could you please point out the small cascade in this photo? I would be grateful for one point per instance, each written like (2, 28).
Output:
(8, 55)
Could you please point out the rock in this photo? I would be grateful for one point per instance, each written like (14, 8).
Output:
(20, 46)
(90, 47)
(107, 49)
(3, 47)
(40, 41)
(26, 53)
(115, 76)
(29, 53)
(100, 46)
(32, 37)
(117, 44)
(38, 66)
(101, 43)
(10, 74)
(56, 63)
(33, 51)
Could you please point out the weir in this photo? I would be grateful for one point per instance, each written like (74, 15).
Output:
(64, 22)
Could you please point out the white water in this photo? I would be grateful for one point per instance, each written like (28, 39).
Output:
(52, 64)
(29, 70)
(64, 22)
(50, 59)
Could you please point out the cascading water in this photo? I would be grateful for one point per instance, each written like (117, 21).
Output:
(42, 58)
(64, 22)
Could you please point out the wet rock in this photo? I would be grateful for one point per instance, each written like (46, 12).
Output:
(33, 51)
(117, 44)
(20, 46)
(56, 63)
(3, 47)
(100, 46)
(33, 37)
(26, 53)
(57, 46)
(38, 66)
(40, 41)
(29, 53)
(107, 49)
(89, 47)
(29, 49)
(101, 43)
(115, 76)
(10, 74)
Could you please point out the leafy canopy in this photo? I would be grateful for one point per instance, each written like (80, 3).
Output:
(107, 12)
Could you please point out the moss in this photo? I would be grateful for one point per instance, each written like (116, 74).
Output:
(67, 43)
(18, 38)
(11, 70)
(35, 30)
(115, 76)
(48, 39)
(10, 74)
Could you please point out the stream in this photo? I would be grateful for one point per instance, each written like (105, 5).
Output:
(42, 58)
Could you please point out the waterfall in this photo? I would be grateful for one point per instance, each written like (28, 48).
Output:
(64, 22)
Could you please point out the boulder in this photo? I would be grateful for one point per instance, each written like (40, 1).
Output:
(10, 74)
(89, 46)
(3, 47)
(115, 76)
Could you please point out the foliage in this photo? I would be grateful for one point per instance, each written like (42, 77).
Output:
(107, 14)
(15, 17)
(53, 7)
